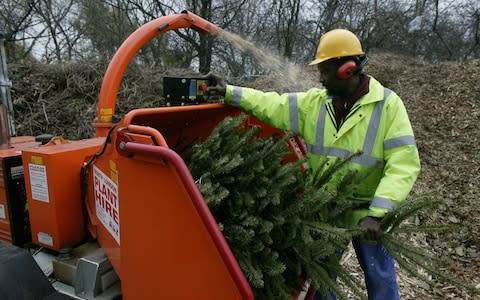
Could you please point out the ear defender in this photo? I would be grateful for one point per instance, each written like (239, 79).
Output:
(347, 69)
(352, 66)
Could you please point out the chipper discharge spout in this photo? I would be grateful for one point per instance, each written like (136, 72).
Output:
(130, 47)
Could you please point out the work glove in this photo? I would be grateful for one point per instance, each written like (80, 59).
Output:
(217, 86)
(373, 231)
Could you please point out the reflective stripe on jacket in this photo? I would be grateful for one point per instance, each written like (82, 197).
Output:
(377, 126)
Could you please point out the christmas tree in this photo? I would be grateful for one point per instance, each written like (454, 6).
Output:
(276, 221)
(280, 221)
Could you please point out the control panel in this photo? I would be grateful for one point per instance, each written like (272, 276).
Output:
(179, 91)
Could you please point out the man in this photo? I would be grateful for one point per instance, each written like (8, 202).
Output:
(353, 114)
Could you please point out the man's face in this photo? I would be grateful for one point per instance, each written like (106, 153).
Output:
(329, 79)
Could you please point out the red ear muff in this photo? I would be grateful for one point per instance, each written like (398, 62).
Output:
(346, 70)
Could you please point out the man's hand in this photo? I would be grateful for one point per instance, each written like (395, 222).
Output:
(217, 86)
(372, 225)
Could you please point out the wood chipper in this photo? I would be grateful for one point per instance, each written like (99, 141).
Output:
(117, 215)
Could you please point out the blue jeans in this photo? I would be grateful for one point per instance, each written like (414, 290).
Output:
(379, 271)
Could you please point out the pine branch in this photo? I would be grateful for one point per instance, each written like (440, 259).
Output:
(410, 257)
(342, 233)
(424, 229)
(405, 210)
(321, 179)
(324, 282)
(410, 268)
(352, 283)
(394, 245)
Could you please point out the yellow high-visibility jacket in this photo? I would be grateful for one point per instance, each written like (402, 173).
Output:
(377, 126)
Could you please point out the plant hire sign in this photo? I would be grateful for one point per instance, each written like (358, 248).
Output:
(106, 202)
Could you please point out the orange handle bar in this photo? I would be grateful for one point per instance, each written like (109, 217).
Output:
(129, 48)
(157, 136)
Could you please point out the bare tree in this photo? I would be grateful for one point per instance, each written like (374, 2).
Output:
(475, 49)
(105, 25)
(16, 17)
(472, 49)
(56, 17)
(65, 30)
(286, 27)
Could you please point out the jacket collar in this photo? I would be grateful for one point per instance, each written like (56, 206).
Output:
(375, 93)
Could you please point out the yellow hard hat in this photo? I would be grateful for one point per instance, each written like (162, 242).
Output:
(337, 43)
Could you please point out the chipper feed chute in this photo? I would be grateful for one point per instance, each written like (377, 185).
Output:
(149, 215)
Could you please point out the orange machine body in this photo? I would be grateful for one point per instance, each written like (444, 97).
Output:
(8, 203)
(143, 205)
(52, 183)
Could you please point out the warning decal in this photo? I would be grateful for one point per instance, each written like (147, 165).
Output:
(16, 172)
(45, 238)
(106, 202)
(38, 182)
